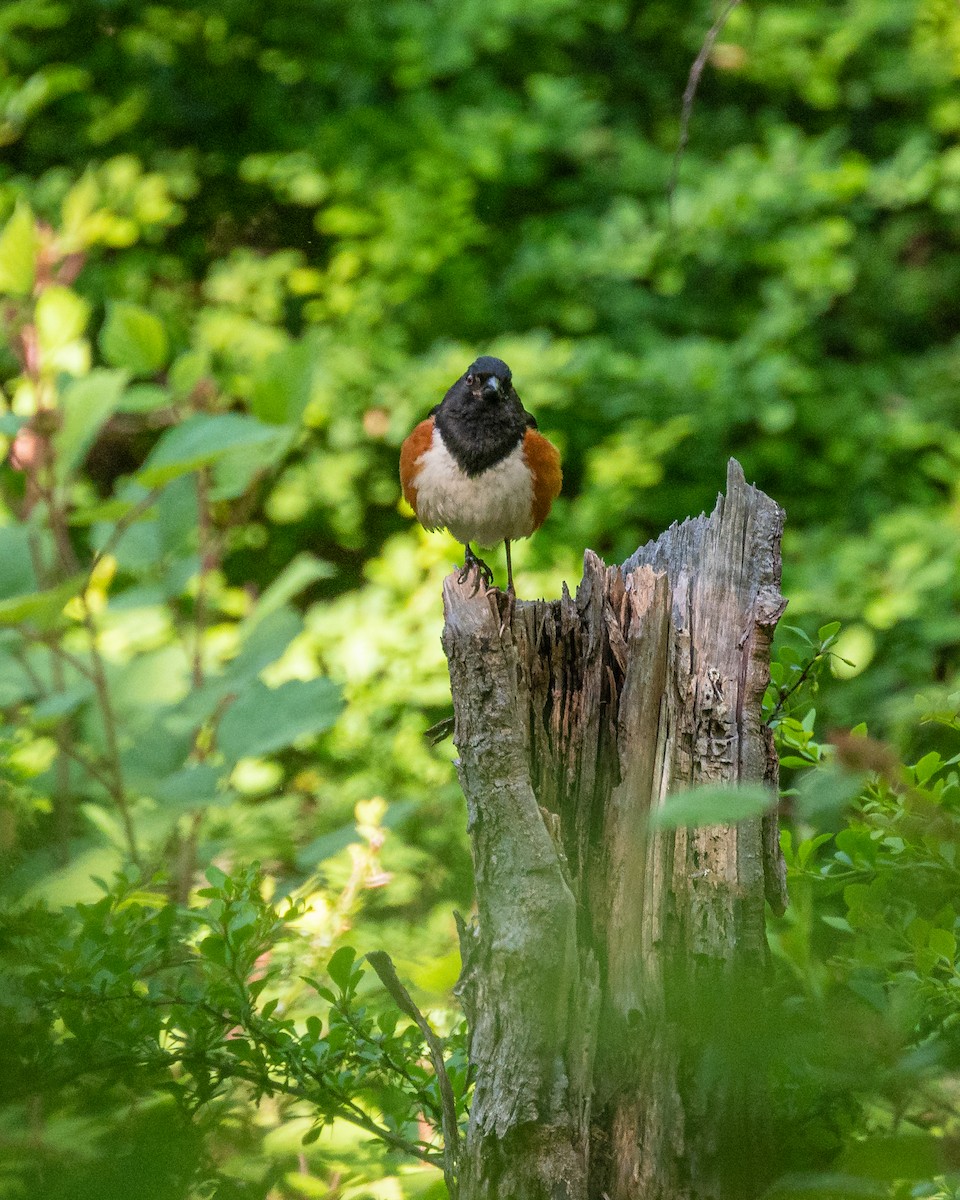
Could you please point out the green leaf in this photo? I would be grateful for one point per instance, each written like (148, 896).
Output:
(833, 1186)
(263, 720)
(825, 632)
(238, 468)
(798, 632)
(326, 846)
(144, 397)
(18, 253)
(824, 792)
(51, 711)
(298, 574)
(60, 316)
(17, 574)
(214, 948)
(200, 441)
(134, 338)
(340, 966)
(943, 943)
(927, 766)
(283, 385)
(40, 609)
(263, 643)
(713, 804)
(192, 787)
(899, 1156)
(86, 405)
(11, 424)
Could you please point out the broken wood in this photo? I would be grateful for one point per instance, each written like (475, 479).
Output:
(599, 943)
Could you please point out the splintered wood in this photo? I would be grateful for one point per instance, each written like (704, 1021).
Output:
(598, 940)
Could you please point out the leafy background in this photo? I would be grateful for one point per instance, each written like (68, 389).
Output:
(245, 247)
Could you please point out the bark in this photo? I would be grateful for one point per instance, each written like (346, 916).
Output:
(607, 959)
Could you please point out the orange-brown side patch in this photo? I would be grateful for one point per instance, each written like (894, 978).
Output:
(543, 459)
(416, 444)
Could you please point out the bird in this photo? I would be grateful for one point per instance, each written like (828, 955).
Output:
(478, 467)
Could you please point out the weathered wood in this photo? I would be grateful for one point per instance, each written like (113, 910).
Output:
(598, 941)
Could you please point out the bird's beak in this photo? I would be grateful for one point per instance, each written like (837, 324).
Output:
(492, 386)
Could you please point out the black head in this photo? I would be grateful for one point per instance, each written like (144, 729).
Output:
(488, 377)
(481, 418)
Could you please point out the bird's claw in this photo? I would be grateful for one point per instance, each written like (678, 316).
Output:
(473, 564)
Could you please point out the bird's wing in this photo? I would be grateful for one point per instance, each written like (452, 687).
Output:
(416, 445)
(543, 459)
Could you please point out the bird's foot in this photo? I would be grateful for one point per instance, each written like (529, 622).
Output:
(471, 564)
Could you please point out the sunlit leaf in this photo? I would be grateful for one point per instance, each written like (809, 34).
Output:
(86, 405)
(41, 609)
(202, 440)
(134, 338)
(18, 253)
(340, 966)
(282, 386)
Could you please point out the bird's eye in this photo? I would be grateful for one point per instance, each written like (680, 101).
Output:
(471, 378)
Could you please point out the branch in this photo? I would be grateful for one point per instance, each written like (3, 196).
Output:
(689, 93)
(122, 525)
(383, 965)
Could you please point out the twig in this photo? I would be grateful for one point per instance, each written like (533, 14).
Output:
(57, 650)
(108, 716)
(436, 733)
(122, 525)
(689, 93)
(65, 746)
(208, 560)
(784, 694)
(383, 965)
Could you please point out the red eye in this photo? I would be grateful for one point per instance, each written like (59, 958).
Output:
(470, 378)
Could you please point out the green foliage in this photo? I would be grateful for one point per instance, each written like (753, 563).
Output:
(867, 1034)
(202, 1009)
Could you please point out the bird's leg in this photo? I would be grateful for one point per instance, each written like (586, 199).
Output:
(472, 562)
(506, 617)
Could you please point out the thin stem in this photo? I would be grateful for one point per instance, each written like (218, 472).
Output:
(63, 798)
(208, 560)
(108, 717)
(689, 93)
(56, 649)
(122, 525)
(383, 965)
(66, 746)
(785, 693)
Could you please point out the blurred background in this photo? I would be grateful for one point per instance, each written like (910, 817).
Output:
(300, 220)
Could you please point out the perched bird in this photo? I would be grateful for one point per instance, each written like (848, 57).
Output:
(478, 467)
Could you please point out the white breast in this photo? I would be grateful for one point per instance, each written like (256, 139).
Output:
(487, 508)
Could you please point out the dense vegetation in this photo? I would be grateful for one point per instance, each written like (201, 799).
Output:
(244, 247)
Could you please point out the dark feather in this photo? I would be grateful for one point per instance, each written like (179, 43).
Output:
(481, 429)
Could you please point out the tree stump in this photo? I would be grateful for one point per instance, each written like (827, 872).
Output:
(594, 974)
